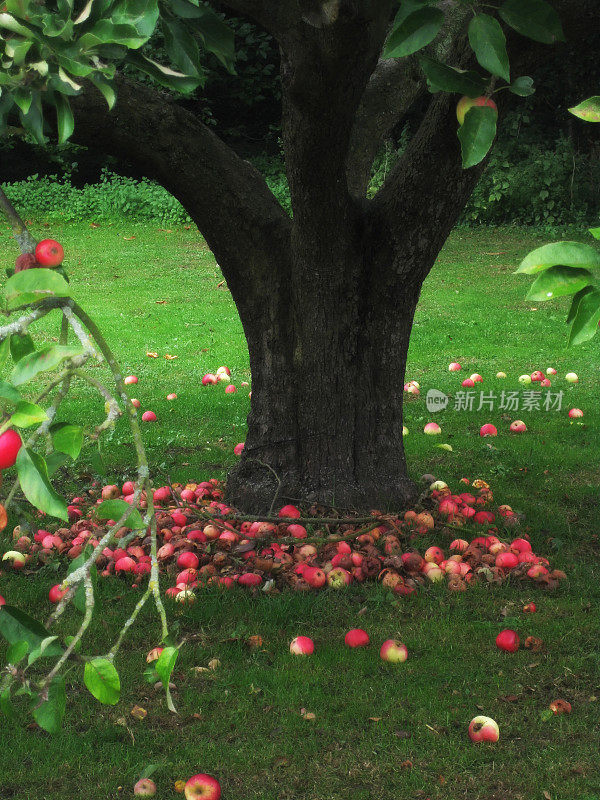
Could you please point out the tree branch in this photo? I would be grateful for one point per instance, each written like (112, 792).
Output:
(225, 196)
(394, 86)
(276, 16)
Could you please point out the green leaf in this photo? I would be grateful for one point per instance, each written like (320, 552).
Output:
(575, 304)
(106, 89)
(40, 650)
(55, 461)
(595, 232)
(21, 345)
(449, 79)
(32, 285)
(16, 626)
(217, 37)
(523, 87)
(17, 651)
(587, 317)
(165, 664)
(102, 680)
(67, 438)
(487, 39)
(415, 32)
(33, 122)
(44, 359)
(164, 667)
(4, 351)
(564, 254)
(9, 393)
(50, 713)
(546, 715)
(535, 19)
(150, 675)
(6, 707)
(589, 110)
(33, 477)
(558, 282)
(27, 414)
(141, 14)
(114, 509)
(477, 134)
(163, 75)
(23, 99)
(181, 47)
(64, 118)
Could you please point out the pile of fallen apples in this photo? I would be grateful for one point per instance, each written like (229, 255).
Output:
(202, 543)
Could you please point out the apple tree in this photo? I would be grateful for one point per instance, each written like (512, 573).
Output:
(327, 297)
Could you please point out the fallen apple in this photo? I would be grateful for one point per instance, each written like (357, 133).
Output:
(149, 416)
(518, 426)
(575, 413)
(357, 637)
(501, 374)
(551, 371)
(432, 429)
(393, 651)
(483, 729)
(468, 383)
(488, 430)
(144, 788)
(508, 640)
(525, 379)
(571, 377)
(130, 379)
(454, 366)
(302, 646)
(202, 787)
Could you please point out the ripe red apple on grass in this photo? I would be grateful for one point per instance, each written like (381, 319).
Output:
(56, 594)
(483, 729)
(149, 416)
(454, 367)
(393, 651)
(302, 646)
(130, 379)
(466, 103)
(432, 429)
(488, 430)
(518, 426)
(357, 638)
(10, 444)
(49, 253)
(202, 787)
(508, 640)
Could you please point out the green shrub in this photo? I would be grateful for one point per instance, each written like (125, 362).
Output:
(113, 197)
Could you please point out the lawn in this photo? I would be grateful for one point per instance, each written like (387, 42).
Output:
(379, 731)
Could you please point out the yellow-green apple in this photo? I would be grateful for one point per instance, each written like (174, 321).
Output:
(144, 788)
(223, 370)
(338, 578)
(202, 787)
(302, 646)
(551, 371)
(476, 378)
(466, 103)
(571, 377)
(357, 638)
(393, 651)
(518, 426)
(483, 729)
(432, 429)
(525, 379)
(186, 597)
(404, 430)
(508, 640)
(18, 559)
(501, 374)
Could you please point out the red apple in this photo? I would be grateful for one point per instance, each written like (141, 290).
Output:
(357, 638)
(518, 426)
(172, 396)
(506, 560)
(432, 429)
(575, 413)
(290, 511)
(338, 578)
(56, 594)
(488, 430)
(148, 416)
(49, 253)
(483, 729)
(209, 379)
(508, 640)
(468, 383)
(297, 531)
(454, 367)
(393, 651)
(315, 577)
(530, 608)
(2, 601)
(230, 389)
(130, 379)
(237, 450)
(302, 646)
(187, 560)
(154, 654)
(10, 444)
(476, 378)
(135, 402)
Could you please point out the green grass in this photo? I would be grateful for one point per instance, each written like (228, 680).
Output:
(370, 718)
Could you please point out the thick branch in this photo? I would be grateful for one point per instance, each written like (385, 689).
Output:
(225, 196)
(276, 16)
(394, 86)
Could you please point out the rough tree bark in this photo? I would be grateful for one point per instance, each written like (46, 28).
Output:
(326, 299)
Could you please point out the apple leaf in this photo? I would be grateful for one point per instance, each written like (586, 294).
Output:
(587, 317)
(535, 19)
(414, 32)
(27, 414)
(523, 87)
(114, 509)
(102, 680)
(33, 285)
(33, 477)
(17, 651)
(589, 110)
(558, 282)
(42, 360)
(487, 39)
(447, 79)
(67, 438)
(575, 304)
(21, 345)
(16, 626)
(50, 713)
(564, 254)
(476, 134)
